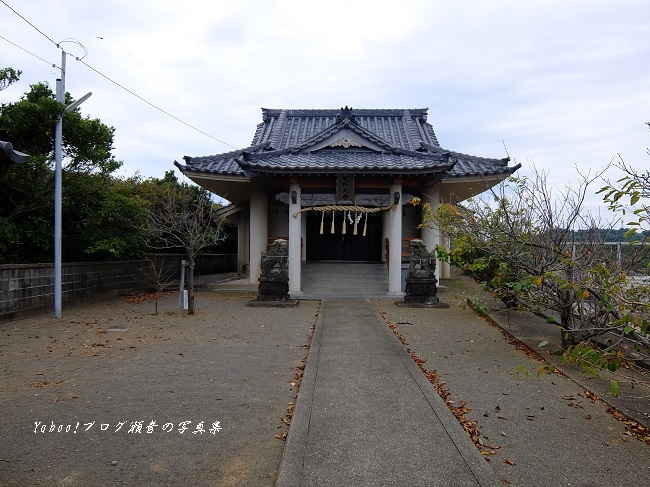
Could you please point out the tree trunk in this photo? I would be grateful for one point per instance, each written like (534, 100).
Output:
(567, 331)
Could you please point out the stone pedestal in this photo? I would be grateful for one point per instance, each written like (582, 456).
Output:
(421, 280)
(421, 290)
(273, 289)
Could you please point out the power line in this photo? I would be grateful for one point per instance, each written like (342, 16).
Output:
(29, 52)
(105, 76)
(154, 106)
(33, 26)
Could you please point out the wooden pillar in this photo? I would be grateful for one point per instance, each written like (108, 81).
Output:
(259, 230)
(243, 245)
(295, 237)
(385, 233)
(395, 236)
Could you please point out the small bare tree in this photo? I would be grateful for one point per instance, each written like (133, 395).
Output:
(181, 216)
(159, 278)
(537, 246)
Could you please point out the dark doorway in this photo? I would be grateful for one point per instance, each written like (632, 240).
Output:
(336, 246)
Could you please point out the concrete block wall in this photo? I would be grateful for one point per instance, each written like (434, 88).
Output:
(28, 289)
(170, 264)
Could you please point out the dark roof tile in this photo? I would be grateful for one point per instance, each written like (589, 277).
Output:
(403, 142)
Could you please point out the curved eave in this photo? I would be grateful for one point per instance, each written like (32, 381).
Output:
(231, 211)
(346, 161)
(234, 188)
(455, 189)
(362, 171)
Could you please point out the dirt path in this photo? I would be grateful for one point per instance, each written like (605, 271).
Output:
(120, 381)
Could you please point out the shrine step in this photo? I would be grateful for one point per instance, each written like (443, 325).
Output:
(344, 279)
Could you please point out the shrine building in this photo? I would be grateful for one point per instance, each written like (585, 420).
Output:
(338, 185)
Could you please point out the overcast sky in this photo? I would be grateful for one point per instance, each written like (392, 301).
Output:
(563, 84)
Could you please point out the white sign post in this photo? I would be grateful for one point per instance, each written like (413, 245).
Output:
(183, 294)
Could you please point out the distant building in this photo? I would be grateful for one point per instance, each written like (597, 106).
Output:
(338, 185)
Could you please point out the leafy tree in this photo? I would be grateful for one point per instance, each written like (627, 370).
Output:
(521, 242)
(106, 226)
(29, 125)
(181, 216)
(102, 215)
(630, 195)
(8, 76)
(26, 205)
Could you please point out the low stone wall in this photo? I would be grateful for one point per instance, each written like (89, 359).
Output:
(28, 289)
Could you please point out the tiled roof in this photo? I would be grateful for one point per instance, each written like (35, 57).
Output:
(390, 141)
(479, 166)
(399, 128)
(466, 165)
(346, 160)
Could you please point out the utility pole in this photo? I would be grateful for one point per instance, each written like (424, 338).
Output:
(58, 189)
(58, 182)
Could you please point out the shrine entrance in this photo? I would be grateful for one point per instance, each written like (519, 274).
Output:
(339, 246)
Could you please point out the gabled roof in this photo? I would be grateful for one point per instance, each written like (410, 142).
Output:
(367, 141)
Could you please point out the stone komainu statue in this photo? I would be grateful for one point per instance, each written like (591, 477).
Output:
(421, 280)
(274, 275)
(274, 263)
(422, 264)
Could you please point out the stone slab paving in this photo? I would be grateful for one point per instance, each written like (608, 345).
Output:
(366, 415)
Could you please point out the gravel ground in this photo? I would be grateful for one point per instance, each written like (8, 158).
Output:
(119, 381)
(114, 370)
(545, 430)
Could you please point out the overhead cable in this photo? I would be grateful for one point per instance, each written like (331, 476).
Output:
(102, 74)
(154, 106)
(33, 26)
(29, 52)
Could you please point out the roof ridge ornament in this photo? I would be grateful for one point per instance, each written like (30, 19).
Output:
(346, 142)
(345, 114)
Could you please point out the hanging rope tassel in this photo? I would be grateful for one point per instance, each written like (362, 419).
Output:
(343, 232)
(333, 230)
(322, 219)
(356, 221)
(365, 225)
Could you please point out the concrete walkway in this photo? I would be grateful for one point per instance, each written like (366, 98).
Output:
(366, 415)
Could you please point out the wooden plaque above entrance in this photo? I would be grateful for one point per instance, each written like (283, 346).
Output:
(345, 188)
